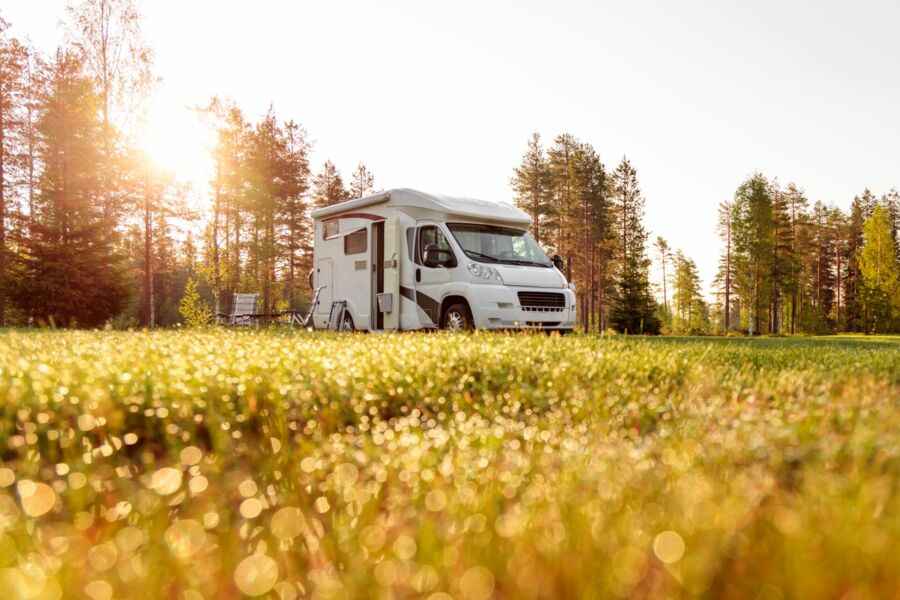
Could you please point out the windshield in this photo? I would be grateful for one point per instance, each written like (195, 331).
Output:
(493, 244)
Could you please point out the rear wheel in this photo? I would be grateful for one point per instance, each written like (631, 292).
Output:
(348, 323)
(457, 317)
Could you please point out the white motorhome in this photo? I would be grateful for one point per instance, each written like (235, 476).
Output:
(403, 259)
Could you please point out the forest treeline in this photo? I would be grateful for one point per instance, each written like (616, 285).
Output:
(92, 233)
(787, 265)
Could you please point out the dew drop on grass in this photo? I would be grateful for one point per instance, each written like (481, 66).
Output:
(435, 500)
(103, 556)
(166, 481)
(99, 590)
(668, 547)
(7, 477)
(191, 455)
(287, 523)
(250, 508)
(185, 538)
(256, 575)
(247, 488)
(477, 583)
(321, 504)
(198, 484)
(37, 498)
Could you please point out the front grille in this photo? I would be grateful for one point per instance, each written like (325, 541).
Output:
(542, 301)
(542, 323)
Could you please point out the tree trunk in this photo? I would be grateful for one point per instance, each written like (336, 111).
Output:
(217, 274)
(2, 212)
(149, 312)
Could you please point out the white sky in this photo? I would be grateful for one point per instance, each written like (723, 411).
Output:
(442, 96)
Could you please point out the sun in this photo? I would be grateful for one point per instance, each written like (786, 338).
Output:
(177, 141)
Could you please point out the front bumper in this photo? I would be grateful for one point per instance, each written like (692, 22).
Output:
(498, 307)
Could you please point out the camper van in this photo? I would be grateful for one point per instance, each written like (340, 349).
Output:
(404, 260)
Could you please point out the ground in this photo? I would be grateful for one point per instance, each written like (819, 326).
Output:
(219, 463)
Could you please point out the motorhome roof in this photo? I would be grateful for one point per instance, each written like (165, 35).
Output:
(404, 197)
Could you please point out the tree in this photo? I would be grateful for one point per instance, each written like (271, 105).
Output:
(296, 236)
(880, 271)
(70, 275)
(664, 253)
(13, 62)
(362, 182)
(328, 187)
(690, 314)
(531, 185)
(193, 309)
(634, 308)
(725, 275)
(796, 202)
(753, 232)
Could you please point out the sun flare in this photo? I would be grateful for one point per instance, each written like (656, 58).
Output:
(177, 141)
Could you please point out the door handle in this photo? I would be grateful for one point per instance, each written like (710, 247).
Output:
(418, 275)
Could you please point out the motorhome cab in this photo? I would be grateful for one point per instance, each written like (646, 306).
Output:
(404, 259)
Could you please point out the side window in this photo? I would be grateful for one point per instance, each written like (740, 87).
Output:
(356, 242)
(430, 234)
(329, 229)
(411, 241)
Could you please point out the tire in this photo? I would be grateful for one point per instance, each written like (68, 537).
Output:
(312, 285)
(457, 317)
(348, 323)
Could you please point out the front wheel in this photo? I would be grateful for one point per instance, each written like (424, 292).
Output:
(457, 317)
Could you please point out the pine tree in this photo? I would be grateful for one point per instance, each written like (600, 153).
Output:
(753, 233)
(13, 63)
(664, 254)
(634, 308)
(296, 227)
(362, 182)
(796, 204)
(531, 185)
(328, 187)
(725, 276)
(70, 275)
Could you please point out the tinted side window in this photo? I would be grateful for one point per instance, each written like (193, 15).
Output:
(356, 242)
(431, 235)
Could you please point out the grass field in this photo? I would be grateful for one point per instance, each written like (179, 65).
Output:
(217, 464)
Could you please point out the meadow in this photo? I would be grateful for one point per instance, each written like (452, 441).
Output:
(276, 464)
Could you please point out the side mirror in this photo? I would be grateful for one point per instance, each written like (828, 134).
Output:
(557, 261)
(435, 256)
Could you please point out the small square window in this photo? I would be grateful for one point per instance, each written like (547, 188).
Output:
(329, 229)
(356, 242)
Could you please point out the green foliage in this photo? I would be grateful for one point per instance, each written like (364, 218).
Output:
(70, 274)
(193, 309)
(147, 465)
(634, 309)
(879, 268)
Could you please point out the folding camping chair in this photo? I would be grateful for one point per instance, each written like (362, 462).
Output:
(243, 310)
(295, 318)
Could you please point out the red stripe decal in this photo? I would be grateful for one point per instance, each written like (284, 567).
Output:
(369, 216)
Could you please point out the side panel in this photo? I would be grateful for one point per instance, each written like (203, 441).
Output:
(392, 260)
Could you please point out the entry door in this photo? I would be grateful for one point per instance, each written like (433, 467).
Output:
(391, 266)
(324, 277)
(431, 282)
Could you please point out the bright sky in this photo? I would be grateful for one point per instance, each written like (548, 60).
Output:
(442, 96)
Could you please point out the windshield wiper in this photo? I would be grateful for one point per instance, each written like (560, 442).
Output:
(524, 262)
(480, 255)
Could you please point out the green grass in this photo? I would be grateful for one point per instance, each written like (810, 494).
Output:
(208, 464)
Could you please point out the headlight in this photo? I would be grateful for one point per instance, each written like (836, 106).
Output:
(484, 271)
